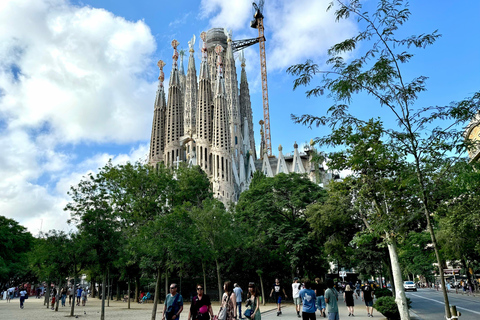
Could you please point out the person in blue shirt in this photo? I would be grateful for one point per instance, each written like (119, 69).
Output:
(308, 299)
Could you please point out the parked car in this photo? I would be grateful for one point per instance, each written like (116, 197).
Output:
(409, 285)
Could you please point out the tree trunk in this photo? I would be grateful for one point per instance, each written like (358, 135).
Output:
(72, 308)
(102, 312)
(204, 278)
(118, 290)
(166, 283)
(47, 294)
(45, 297)
(263, 292)
(400, 297)
(439, 262)
(137, 288)
(57, 299)
(219, 281)
(129, 292)
(157, 294)
(94, 288)
(109, 286)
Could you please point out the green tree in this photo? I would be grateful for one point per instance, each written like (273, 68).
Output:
(335, 223)
(379, 72)
(16, 243)
(214, 232)
(459, 214)
(274, 208)
(92, 212)
(416, 256)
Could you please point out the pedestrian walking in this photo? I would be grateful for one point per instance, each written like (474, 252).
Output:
(308, 301)
(238, 294)
(23, 296)
(79, 295)
(84, 297)
(201, 307)
(296, 287)
(173, 306)
(320, 294)
(348, 299)
(63, 296)
(367, 296)
(279, 293)
(228, 309)
(253, 301)
(331, 299)
(70, 295)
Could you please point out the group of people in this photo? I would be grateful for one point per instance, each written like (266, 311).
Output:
(311, 297)
(79, 293)
(12, 292)
(201, 306)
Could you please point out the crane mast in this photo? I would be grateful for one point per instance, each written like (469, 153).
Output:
(258, 24)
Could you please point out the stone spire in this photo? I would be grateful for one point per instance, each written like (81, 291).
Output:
(157, 141)
(191, 89)
(246, 115)
(204, 113)
(174, 115)
(181, 70)
(231, 87)
(221, 142)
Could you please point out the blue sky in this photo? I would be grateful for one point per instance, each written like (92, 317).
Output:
(78, 80)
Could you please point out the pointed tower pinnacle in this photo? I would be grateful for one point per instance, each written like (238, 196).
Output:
(204, 114)
(231, 87)
(222, 166)
(191, 89)
(246, 115)
(174, 115)
(157, 141)
(181, 70)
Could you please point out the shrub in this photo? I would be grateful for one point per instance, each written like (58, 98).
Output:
(383, 292)
(388, 307)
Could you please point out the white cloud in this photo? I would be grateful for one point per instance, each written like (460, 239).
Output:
(80, 71)
(302, 29)
(228, 14)
(69, 76)
(296, 30)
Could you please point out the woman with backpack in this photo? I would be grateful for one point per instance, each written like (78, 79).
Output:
(201, 307)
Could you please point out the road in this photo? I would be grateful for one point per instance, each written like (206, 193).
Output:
(428, 304)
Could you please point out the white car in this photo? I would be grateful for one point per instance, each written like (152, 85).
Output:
(409, 285)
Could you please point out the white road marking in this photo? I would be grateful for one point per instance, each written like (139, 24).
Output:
(461, 308)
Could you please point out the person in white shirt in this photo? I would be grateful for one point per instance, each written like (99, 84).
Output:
(23, 294)
(296, 287)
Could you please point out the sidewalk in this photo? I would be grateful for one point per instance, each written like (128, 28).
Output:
(360, 312)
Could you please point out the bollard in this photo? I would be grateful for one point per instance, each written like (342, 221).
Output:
(453, 310)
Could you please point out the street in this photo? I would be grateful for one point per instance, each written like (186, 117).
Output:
(428, 304)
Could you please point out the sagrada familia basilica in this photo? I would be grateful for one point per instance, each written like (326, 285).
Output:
(207, 121)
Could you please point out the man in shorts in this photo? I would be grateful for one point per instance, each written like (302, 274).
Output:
(367, 296)
(279, 291)
(295, 294)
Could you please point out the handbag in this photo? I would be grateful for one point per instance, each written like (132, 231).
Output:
(248, 313)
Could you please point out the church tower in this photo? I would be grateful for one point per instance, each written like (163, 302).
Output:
(221, 141)
(231, 87)
(174, 116)
(190, 104)
(157, 141)
(246, 114)
(204, 113)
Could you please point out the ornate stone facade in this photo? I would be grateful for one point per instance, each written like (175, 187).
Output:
(208, 121)
(201, 121)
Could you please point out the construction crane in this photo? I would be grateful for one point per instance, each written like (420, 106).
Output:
(257, 23)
